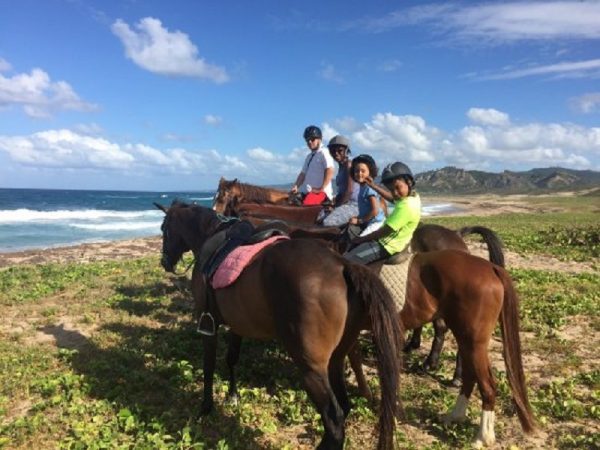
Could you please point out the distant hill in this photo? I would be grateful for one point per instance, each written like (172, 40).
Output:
(452, 180)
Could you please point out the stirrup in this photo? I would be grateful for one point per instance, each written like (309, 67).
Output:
(210, 329)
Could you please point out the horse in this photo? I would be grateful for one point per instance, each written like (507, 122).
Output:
(234, 192)
(309, 298)
(427, 237)
(470, 293)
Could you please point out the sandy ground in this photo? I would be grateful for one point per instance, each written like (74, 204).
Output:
(468, 205)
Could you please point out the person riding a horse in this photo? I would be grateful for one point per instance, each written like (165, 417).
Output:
(398, 228)
(346, 199)
(314, 180)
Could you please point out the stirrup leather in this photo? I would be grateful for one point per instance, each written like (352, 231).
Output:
(206, 327)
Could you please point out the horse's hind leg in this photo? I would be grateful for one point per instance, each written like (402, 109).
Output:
(320, 392)
(355, 357)
(233, 355)
(476, 369)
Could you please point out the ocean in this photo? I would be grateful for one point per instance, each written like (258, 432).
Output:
(44, 218)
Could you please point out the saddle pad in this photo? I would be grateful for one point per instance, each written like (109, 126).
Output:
(233, 265)
(394, 278)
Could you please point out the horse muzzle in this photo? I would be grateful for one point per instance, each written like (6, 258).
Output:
(166, 264)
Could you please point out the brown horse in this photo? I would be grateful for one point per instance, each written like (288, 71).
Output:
(468, 292)
(234, 192)
(426, 238)
(309, 298)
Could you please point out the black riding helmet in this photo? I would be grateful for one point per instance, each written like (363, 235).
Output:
(370, 163)
(312, 131)
(338, 141)
(397, 170)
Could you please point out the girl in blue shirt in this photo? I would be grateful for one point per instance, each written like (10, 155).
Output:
(370, 214)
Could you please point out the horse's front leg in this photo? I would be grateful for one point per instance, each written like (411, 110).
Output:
(210, 359)
(233, 355)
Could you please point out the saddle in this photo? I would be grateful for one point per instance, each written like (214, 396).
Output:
(393, 272)
(214, 251)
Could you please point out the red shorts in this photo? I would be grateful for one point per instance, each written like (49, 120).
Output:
(314, 198)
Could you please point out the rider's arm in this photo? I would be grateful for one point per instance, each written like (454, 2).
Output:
(326, 179)
(298, 183)
(380, 190)
(349, 188)
(377, 234)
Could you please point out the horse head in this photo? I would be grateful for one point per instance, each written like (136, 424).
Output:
(185, 227)
(226, 197)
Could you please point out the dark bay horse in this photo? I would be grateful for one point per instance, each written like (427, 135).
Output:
(469, 293)
(428, 237)
(309, 298)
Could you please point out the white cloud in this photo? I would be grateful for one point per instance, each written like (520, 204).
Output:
(260, 154)
(391, 65)
(586, 103)
(38, 95)
(397, 137)
(4, 65)
(328, 72)
(488, 116)
(567, 69)
(213, 120)
(496, 22)
(161, 51)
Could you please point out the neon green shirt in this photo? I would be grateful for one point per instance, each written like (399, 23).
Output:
(403, 221)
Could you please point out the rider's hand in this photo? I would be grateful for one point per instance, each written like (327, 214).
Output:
(369, 180)
(294, 189)
(353, 221)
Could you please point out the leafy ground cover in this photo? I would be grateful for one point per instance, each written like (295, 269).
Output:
(105, 355)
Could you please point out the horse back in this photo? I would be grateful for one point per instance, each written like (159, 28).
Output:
(294, 284)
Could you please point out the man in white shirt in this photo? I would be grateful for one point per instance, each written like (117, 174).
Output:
(317, 171)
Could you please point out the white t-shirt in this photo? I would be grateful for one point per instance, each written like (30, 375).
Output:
(314, 170)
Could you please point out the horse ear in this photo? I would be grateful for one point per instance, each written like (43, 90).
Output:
(161, 207)
(235, 180)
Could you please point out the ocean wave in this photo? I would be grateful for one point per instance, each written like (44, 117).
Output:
(117, 226)
(430, 210)
(204, 199)
(30, 215)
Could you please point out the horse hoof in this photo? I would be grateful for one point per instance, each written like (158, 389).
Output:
(448, 419)
(480, 443)
(456, 382)
(410, 346)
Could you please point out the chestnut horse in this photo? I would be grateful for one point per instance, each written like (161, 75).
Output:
(470, 293)
(309, 298)
(254, 204)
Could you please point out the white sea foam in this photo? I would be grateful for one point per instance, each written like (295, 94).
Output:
(432, 210)
(9, 216)
(204, 199)
(118, 226)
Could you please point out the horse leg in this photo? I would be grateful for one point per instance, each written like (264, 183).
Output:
(338, 383)
(355, 357)
(457, 377)
(476, 368)
(233, 354)
(210, 359)
(319, 390)
(415, 340)
(433, 359)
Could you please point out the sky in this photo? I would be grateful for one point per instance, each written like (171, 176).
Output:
(154, 95)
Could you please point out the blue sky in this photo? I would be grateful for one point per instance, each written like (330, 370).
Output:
(156, 95)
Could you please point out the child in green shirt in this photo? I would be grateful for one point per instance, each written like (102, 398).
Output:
(398, 228)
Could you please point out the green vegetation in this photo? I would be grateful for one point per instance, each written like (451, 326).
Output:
(127, 370)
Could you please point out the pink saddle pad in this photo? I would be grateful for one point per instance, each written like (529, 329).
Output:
(231, 267)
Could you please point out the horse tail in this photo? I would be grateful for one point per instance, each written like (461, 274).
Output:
(493, 242)
(509, 325)
(387, 337)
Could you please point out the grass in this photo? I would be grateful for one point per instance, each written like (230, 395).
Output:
(127, 370)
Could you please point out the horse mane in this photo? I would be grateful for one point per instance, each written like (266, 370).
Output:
(252, 193)
(199, 213)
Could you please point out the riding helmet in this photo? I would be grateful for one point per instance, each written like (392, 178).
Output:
(339, 140)
(370, 163)
(312, 131)
(396, 170)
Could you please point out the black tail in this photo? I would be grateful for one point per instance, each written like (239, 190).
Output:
(387, 337)
(493, 242)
